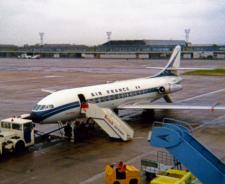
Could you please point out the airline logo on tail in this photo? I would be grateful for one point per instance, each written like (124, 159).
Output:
(173, 64)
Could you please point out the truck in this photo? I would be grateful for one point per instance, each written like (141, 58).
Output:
(16, 134)
(122, 174)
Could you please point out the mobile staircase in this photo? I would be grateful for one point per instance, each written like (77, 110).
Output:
(108, 121)
(190, 152)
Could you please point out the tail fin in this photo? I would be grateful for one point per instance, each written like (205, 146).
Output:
(172, 65)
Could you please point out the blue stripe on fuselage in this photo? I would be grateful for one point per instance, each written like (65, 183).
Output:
(41, 115)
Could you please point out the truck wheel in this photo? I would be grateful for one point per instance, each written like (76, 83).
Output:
(116, 182)
(133, 181)
(20, 147)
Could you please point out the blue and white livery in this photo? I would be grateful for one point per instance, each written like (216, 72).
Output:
(138, 93)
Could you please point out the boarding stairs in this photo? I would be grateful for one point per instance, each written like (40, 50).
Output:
(190, 152)
(108, 121)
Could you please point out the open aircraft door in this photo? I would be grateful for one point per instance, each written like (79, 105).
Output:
(83, 101)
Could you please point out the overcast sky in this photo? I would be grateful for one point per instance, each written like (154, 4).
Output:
(87, 21)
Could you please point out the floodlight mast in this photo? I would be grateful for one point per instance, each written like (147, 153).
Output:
(108, 33)
(41, 34)
(187, 33)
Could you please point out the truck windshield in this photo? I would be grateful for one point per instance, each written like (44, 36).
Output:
(5, 125)
(16, 126)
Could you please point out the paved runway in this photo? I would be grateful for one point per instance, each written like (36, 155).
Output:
(21, 82)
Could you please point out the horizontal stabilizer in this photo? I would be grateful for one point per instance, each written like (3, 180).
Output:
(160, 68)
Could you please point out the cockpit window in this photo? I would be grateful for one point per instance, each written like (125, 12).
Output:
(43, 107)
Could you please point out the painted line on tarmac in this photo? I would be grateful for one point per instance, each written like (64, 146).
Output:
(202, 95)
(215, 122)
(102, 174)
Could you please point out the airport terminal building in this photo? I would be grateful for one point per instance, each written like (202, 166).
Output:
(125, 49)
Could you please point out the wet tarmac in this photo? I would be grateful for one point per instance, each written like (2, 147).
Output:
(60, 162)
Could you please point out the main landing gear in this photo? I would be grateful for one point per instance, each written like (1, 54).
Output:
(148, 115)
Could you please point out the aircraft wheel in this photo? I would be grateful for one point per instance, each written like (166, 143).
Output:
(116, 111)
(148, 115)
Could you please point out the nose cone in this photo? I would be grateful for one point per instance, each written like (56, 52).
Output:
(36, 117)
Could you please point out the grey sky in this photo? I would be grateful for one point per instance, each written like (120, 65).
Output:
(86, 21)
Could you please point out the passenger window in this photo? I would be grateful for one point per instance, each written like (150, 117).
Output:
(108, 91)
(99, 93)
(120, 90)
(127, 89)
(92, 94)
(112, 91)
(116, 90)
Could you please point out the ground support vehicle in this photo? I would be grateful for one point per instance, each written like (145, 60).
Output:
(122, 174)
(16, 134)
(196, 157)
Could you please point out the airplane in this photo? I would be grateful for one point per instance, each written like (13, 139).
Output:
(141, 93)
(25, 56)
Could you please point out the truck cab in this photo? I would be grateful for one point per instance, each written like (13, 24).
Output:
(16, 134)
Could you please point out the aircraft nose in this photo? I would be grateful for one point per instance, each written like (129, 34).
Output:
(35, 117)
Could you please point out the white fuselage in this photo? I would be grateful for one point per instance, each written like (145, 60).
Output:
(64, 105)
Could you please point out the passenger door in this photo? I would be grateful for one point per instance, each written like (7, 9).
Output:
(82, 98)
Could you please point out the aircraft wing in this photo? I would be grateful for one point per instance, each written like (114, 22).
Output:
(179, 105)
(48, 91)
(172, 106)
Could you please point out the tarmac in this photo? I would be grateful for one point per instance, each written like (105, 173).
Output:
(63, 162)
